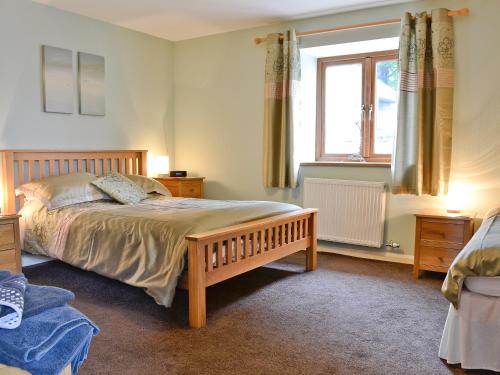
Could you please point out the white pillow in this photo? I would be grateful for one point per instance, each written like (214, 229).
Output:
(59, 191)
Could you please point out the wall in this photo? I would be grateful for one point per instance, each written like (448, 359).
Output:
(139, 83)
(219, 102)
(219, 89)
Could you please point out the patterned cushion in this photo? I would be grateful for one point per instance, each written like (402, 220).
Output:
(121, 188)
(149, 185)
(60, 191)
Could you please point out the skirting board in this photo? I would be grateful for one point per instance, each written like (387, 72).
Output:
(30, 259)
(367, 254)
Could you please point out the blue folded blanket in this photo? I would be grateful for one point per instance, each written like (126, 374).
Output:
(50, 336)
(46, 343)
(12, 289)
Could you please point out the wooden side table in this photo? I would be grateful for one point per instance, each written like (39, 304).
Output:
(439, 237)
(187, 187)
(10, 243)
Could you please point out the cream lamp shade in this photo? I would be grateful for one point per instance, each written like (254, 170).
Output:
(162, 165)
(456, 197)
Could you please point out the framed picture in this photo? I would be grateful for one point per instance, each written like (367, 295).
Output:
(57, 80)
(91, 74)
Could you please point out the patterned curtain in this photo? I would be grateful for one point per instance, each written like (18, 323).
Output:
(422, 154)
(280, 113)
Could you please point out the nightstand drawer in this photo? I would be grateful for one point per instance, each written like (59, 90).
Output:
(190, 189)
(437, 256)
(174, 189)
(446, 232)
(7, 239)
(8, 260)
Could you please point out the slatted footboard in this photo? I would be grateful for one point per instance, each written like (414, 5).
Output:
(221, 254)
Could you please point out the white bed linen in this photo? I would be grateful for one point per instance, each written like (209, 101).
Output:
(489, 286)
(471, 335)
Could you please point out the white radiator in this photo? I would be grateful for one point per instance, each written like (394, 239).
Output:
(349, 211)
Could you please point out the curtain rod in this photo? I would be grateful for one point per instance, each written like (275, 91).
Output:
(454, 13)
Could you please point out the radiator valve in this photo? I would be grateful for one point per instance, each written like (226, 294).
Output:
(392, 244)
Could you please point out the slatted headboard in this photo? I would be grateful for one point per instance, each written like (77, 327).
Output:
(22, 166)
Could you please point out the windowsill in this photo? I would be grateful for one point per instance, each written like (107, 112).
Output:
(345, 164)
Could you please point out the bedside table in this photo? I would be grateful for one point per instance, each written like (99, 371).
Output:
(187, 187)
(439, 237)
(10, 245)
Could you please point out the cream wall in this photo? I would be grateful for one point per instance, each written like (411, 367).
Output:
(219, 110)
(218, 85)
(139, 85)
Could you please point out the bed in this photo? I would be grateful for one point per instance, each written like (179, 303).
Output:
(235, 237)
(471, 335)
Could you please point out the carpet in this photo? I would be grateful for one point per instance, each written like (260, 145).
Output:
(350, 316)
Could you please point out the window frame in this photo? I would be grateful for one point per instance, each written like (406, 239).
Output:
(368, 62)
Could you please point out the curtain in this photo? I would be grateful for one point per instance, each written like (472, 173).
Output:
(422, 153)
(282, 77)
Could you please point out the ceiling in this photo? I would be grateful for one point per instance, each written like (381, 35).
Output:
(184, 19)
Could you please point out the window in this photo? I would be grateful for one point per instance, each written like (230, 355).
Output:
(356, 107)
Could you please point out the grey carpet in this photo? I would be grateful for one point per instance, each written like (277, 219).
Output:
(351, 316)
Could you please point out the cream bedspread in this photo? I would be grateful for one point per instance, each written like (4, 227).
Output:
(142, 245)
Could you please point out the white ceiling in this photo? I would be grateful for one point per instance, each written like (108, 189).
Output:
(183, 19)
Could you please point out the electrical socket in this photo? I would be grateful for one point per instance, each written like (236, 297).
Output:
(392, 244)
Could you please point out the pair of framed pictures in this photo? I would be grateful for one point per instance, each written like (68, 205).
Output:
(58, 82)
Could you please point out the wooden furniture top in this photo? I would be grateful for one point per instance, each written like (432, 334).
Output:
(188, 178)
(9, 217)
(435, 214)
(22, 166)
(7, 370)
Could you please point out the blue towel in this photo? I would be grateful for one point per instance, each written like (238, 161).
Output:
(20, 300)
(48, 342)
(40, 298)
(12, 289)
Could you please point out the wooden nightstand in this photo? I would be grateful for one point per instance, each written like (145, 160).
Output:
(439, 237)
(10, 244)
(187, 187)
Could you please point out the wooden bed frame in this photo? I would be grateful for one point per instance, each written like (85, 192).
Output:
(256, 243)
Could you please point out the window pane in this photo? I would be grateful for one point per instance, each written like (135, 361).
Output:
(343, 99)
(386, 106)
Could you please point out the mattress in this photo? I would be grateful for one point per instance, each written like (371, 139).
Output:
(488, 286)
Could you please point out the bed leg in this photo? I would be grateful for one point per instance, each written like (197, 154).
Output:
(196, 284)
(311, 251)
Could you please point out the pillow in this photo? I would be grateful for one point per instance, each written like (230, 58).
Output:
(121, 188)
(60, 191)
(494, 211)
(149, 185)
